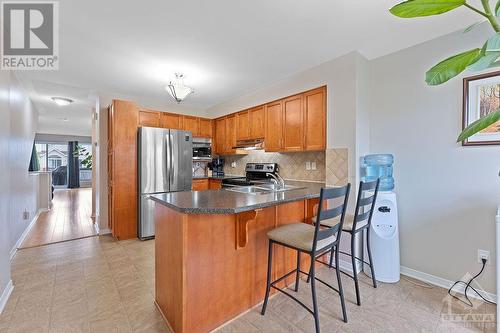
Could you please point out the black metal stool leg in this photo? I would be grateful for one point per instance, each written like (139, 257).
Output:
(354, 271)
(331, 255)
(339, 282)
(297, 276)
(268, 286)
(370, 257)
(310, 269)
(313, 291)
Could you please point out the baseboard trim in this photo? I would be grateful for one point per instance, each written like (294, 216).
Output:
(21, 239)
(443, 283)
(104, 231)
(5, 295)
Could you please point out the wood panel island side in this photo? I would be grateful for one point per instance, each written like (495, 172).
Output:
(211, 252)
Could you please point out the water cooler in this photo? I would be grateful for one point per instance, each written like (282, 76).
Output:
(384, 230)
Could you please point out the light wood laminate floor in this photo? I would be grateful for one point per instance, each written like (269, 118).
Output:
(69, 218)
(99, 284)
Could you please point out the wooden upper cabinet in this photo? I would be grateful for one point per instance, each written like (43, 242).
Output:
(243, 125)
(274, 126)
(315, 119)
(293, 121)
(191, 124)
(220, 135)
(230, 134)
(170, 120)
(149, 118)
(257, 118)
(205, 128)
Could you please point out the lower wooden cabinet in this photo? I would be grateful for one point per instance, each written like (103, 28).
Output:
(200, 184)
(206, 184)
(215, 184)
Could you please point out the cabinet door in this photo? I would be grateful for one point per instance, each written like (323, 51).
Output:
(200, 184)
(205, 128)
(220, 135)
(315, 119)
(215, 184)
(293, 124)
(257, 122)
(170, 120)
(243, 125)
(230, 133)
(149, 118)
(274, 126)
(191, 124)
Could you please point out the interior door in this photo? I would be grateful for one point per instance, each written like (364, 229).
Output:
(181, 160)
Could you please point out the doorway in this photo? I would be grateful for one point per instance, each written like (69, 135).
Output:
(69, 161)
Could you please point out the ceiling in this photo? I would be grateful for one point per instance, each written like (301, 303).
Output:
(225, 48)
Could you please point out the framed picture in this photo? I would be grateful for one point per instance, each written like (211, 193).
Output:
(481, 96)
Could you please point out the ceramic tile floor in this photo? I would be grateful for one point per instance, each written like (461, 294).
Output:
(101, 285)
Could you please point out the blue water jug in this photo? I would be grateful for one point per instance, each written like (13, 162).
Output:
(379, 166)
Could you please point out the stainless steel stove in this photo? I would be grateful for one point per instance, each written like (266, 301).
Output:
(255, 173)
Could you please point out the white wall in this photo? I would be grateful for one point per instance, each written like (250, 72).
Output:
(4, 181)
(23, 125)
(447, 193)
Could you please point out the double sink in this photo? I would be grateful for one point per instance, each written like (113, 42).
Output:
(263, 188)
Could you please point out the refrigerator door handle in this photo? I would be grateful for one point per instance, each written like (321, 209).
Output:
(171, 158)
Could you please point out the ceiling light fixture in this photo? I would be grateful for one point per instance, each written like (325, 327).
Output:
(177, 89)
(61, 101)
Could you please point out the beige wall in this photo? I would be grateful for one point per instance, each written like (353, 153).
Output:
(23, 125)
(4, 181)
(447, 194)
(340, 76)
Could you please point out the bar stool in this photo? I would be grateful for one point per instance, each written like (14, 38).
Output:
(355, 224)
(314, 241)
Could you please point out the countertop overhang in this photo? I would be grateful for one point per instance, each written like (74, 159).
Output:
(230, 202)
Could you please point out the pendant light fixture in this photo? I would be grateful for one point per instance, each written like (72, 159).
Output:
(177, 89)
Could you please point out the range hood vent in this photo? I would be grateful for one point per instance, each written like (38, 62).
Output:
(252, 144)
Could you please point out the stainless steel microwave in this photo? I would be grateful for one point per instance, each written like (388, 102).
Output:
(202, 149)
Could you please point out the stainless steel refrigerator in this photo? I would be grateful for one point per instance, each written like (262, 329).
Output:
(165, 165)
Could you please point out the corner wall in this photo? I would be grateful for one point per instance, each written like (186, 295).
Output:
(447, 194)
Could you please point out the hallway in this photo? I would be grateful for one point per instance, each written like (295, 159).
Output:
(69, 218)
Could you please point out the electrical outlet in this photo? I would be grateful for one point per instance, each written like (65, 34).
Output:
(233, 164)
(313, 165)
(26, 215)
(483, 254)
(308, 165)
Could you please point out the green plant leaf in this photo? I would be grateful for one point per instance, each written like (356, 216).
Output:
(497, 8)
(418, 8)
(472, 26)
(479, 125)
(451, 67)
(485, 61)
(493, 43)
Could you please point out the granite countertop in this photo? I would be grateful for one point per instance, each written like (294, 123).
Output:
(230, 202)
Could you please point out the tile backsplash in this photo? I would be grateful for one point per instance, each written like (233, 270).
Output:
(292, 165)
(336, 166)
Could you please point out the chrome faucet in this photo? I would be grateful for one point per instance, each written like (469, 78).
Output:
(278, 180)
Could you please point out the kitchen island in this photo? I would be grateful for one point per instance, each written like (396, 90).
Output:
(211, 251)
